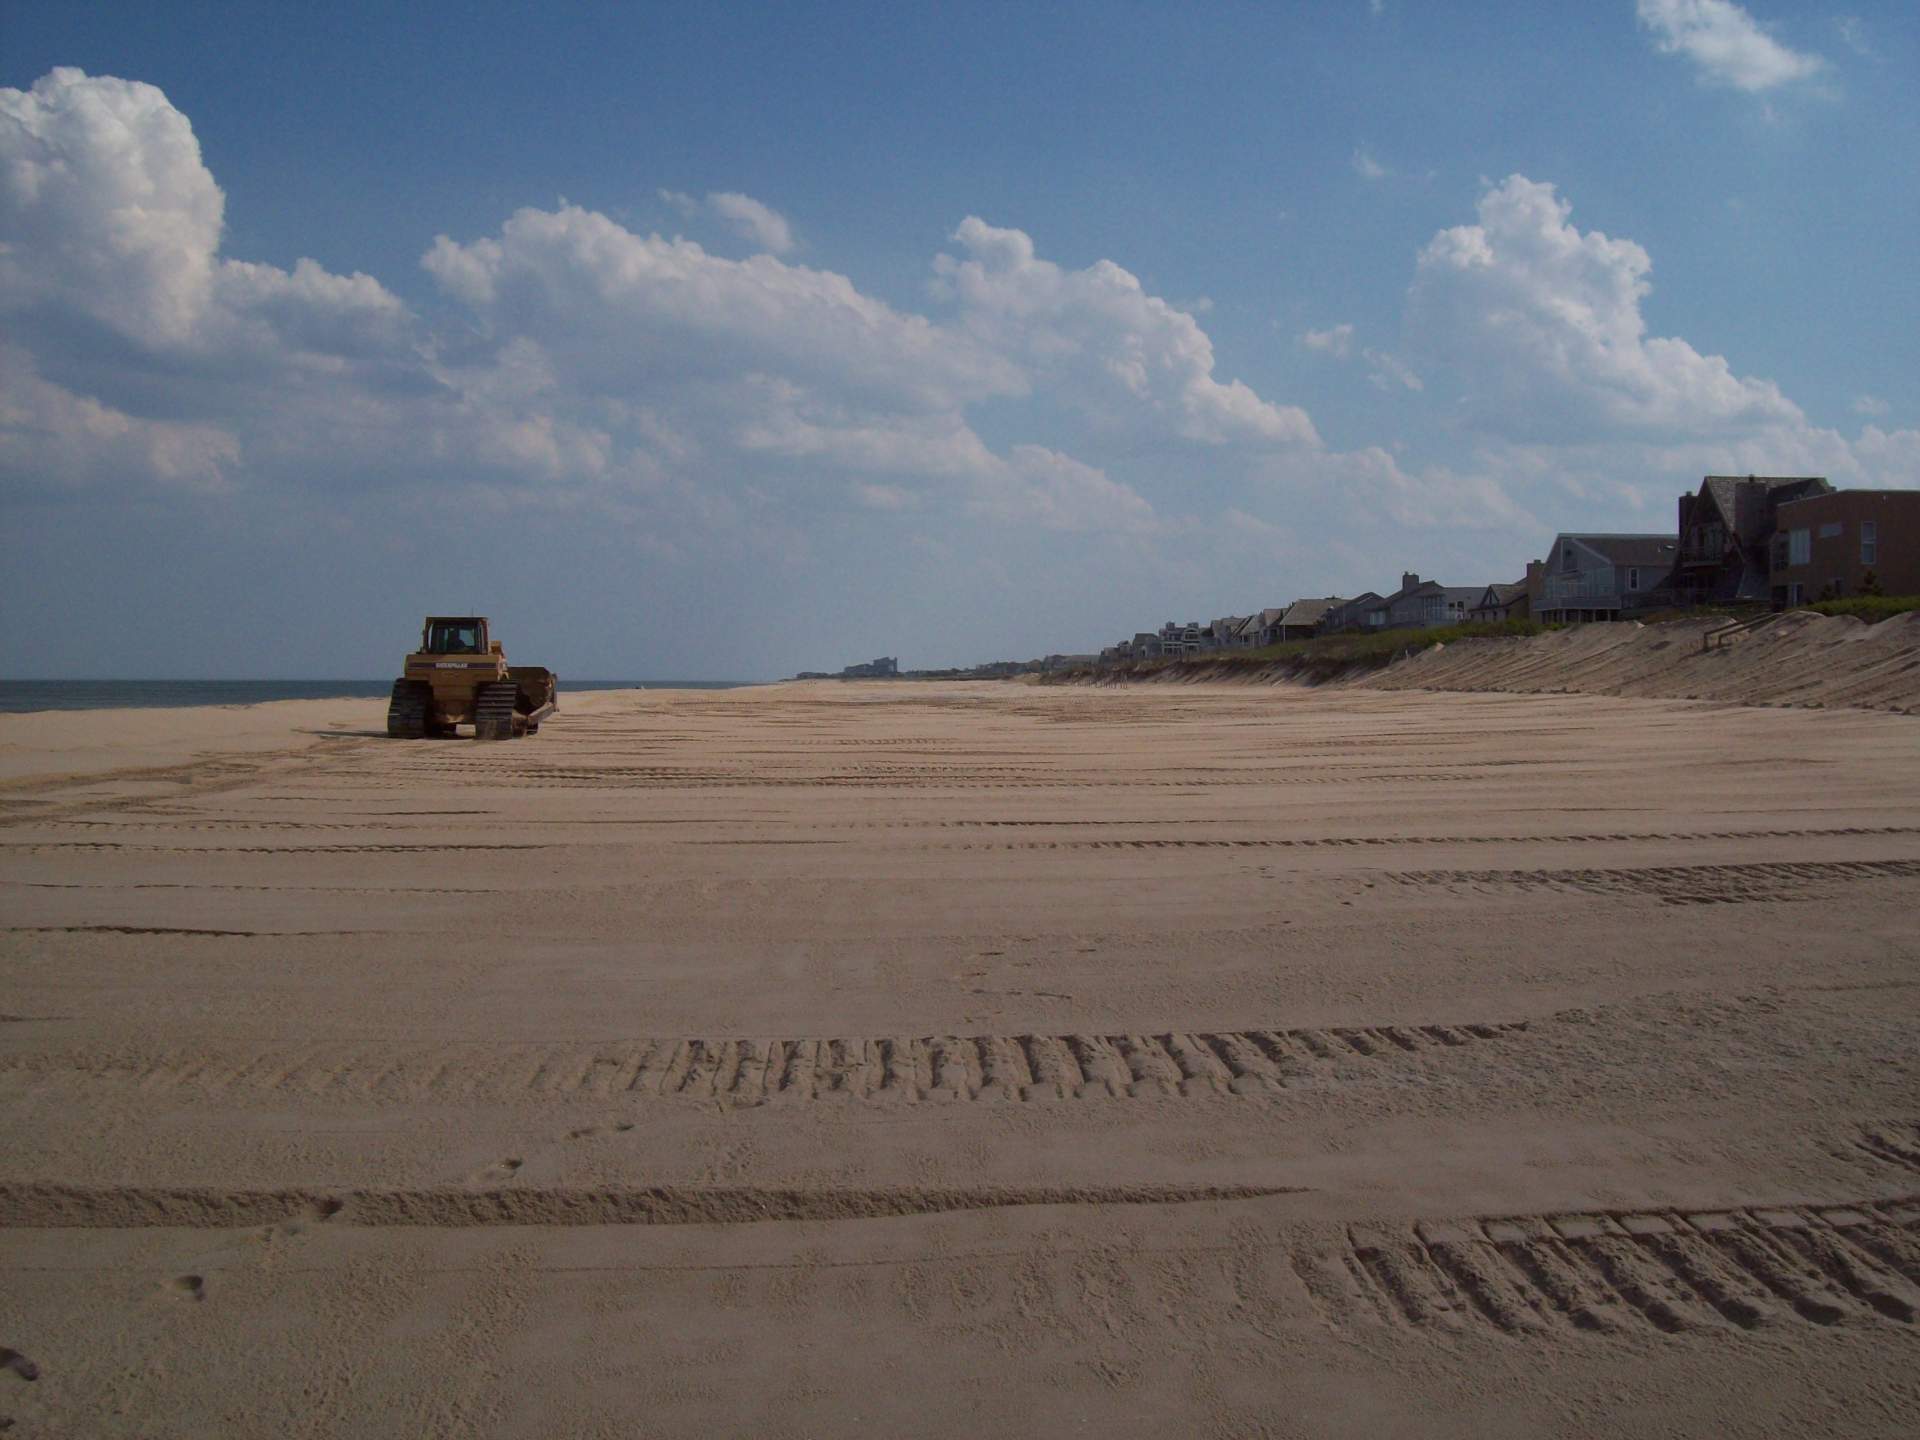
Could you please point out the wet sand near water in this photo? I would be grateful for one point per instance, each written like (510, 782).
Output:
(957, 1059)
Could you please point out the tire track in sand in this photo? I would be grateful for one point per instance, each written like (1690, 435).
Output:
(1671, 1272)
(744, 1072)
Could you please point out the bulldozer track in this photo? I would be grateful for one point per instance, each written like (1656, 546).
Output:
(1673, 884)
(744, 1072)
(1666, 1271)
(1391, 841)
(134, 1206)
(31, 846)
(493, 711)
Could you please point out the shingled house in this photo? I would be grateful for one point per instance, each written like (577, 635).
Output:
(1605, 577)
(1502, 602)
(1302, 618)
(1428, 603)
(1367, 611)
(1726, 535)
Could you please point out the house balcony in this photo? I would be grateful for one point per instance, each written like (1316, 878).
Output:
(1583, 592)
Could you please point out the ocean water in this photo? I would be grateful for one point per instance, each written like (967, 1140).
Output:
(20, 696)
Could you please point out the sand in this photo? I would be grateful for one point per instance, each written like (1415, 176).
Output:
(964, 1060)
(1799, 658)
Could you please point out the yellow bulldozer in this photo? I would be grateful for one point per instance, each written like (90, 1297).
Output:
(459, 676)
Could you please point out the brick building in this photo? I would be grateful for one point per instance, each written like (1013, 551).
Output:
(1827, 545)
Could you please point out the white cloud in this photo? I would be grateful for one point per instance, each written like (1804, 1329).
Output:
(54, 440)
(1869, 405)
(1042, 487)
(1336, 340)
(619, 311)
(1366, 166)
(1389, 371)
(1539, 325)
(106, 205)
(1098, 341)
(1726, 43)
(1853, 32)
(885, 497)
(586, 365)
(761, 224)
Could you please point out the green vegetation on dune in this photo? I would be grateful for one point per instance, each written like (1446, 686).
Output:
(1870, 608)
(1323, 655)
(1329, 655)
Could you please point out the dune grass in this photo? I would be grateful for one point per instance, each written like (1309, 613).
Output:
(1870, 608)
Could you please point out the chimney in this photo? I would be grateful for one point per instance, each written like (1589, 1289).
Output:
(1408, 580)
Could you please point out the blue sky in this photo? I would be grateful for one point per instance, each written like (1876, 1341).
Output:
(719, 342)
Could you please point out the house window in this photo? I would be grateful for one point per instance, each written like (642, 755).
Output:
(1831, 530)
(1633, 577)
(1869, 542)
(1567, 561)
(1800, 547)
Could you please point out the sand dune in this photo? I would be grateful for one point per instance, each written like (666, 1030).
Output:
(963, 1059)
(1798, 659)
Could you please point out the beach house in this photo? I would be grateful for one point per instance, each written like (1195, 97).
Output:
(1726, 535)
(1849, 542)
(1605, 576)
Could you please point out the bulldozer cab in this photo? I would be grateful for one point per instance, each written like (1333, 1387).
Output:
(454, 635)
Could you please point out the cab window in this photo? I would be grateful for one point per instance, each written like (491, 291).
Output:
(453, 637)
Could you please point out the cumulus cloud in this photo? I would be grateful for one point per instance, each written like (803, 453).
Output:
(1389, 370)
(1041, 487)
(106, 206)
(1336, 340)
(1366, 166)
(618, 308)
(1869, 405)
(583, 363)
(747, 217)
(762, 224)
(55, 441)
(1370, 485)
(1539, 324)
(1725, 42)
(1098, 340)
(145, 352)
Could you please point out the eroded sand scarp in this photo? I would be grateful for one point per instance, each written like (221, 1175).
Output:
(962, 1060)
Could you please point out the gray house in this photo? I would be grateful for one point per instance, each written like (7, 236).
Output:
(1502, 602)
(1363, 612)
(1605, 577)
(1303, 617)
(1426, 603)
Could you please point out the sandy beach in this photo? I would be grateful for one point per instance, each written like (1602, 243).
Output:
(963, 1060)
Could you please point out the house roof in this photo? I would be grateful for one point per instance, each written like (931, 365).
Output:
(1503, 594)
(1468, 593)
(1310, 612)
(1646, 551)
(1724, 490)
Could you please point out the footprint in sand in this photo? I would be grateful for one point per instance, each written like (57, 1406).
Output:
(14, 1363)
(587, 1132)
(187, 1287)
(497, 1172)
